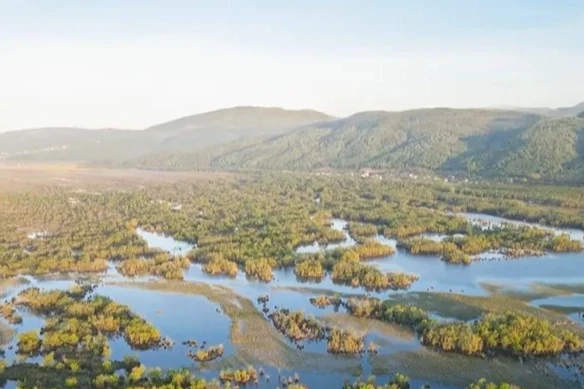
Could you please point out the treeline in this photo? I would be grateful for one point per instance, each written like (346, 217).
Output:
(508, 334)
(348, 270)
(215, 264)
(511, 240)
(159, 264)
(263, 219)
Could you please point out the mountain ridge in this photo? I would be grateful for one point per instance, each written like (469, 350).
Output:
(472, 142)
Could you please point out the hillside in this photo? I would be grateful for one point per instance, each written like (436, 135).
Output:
(226, 125)
(470, 142)
(411, 139)
(179, 136)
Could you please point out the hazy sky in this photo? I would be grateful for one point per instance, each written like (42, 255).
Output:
(131, 64)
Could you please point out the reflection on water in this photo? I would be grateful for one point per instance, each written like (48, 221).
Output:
(165, 243)
(489, 221)
(336, 224)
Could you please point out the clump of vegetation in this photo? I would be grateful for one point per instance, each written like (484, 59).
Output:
(29, 343)
(513, 241)
(484, 384)
(73, 319)
(309, 269)
(8, 312)
(509, 334)
(326, 301)
(239, 376)
(351, 272)
(263, 299)
(399, 381)
(259, 269)
(362, 230)
(372, 249)
(344, 342)
(156, 263)
(209, 354)
(296, 326)
(216, 265)
(406, 315)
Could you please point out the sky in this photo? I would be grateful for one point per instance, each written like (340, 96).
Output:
(132, 64)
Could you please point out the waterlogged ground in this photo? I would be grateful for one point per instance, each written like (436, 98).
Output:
(217, 314)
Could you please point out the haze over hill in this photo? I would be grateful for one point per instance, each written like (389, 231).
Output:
(184, 134)
(552, 112)
(482, 142)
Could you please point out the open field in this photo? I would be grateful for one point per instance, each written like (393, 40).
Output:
(17, 177)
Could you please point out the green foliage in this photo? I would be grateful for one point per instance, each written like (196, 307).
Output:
(399, 381)
(512, 240)
(484, 384)
(74, 320)
(28, 343)
(159, 264)
(216, 264)
(296, 326)
(309, 269)
(344, 342)
(511, 334)
(325, 301)
(260, 269)
(351, 272)
(240, 376)
(362, 230)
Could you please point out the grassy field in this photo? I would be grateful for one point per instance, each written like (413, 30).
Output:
(535, 291)
(18, 177)
(459, 370)
(467, 307)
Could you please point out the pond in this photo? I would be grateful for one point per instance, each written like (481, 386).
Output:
(165, 243)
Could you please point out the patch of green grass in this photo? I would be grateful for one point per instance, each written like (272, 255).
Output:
(467, 307)
(438, 303)
(359, 324)
(458, 371)
(536, 290)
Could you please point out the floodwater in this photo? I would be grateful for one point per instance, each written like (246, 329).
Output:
(183, 317)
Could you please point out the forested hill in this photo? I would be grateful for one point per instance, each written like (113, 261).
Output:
(473, 142)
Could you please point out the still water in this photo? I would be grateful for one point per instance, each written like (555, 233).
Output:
(183, 317)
